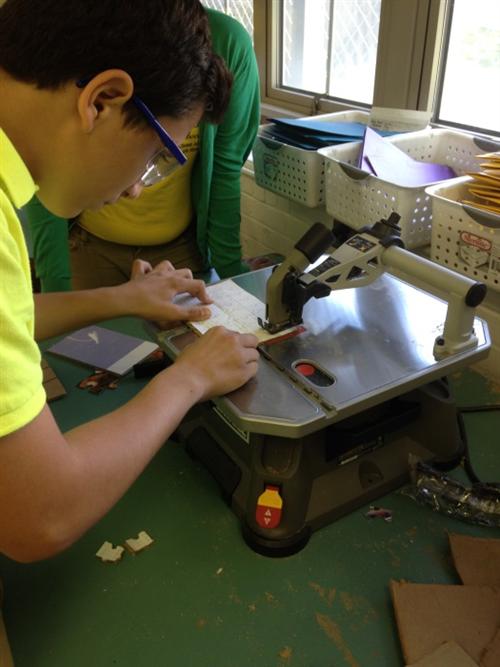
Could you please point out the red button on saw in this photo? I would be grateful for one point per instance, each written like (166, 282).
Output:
(305, 369)
(269, 507)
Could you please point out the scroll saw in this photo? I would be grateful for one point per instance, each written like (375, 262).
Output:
(334, 412)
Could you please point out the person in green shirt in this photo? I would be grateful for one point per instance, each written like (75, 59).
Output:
(95, 99)
(156, 225)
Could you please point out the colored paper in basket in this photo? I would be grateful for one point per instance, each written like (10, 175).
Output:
(362, 162)
(352, 130)
(309, 142)
(485, 185)
(484, 207)
(487, 179)
(395, 166)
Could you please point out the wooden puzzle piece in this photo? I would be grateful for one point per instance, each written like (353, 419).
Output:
(110, 554)
(141, 542)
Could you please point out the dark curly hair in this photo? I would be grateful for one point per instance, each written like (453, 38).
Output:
(164, 45)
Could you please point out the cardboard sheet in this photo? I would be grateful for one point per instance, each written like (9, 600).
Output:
(449, 654)
(491, 655)
(476, 559)
(429, 615)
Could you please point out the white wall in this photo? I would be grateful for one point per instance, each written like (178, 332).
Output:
(271, 223)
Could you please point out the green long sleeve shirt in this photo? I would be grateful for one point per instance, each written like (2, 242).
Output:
(215, 182)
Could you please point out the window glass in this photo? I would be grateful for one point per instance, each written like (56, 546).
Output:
(329, 47)
(354, 49)
(304, 42)
(471, 86)
(241, 10)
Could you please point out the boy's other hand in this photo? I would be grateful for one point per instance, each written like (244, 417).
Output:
(219, 362)
(150, 293)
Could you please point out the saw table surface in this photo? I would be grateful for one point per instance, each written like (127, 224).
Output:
(371, 343)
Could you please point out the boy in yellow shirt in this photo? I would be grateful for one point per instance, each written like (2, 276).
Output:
(191, 218)
(94, 104)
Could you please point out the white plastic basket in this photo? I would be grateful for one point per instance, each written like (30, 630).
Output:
(357, 198)
(293, 172)
(464, 238)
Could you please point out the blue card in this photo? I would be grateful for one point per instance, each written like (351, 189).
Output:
(104, 348)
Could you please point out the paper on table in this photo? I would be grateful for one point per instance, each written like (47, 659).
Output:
(232, 307)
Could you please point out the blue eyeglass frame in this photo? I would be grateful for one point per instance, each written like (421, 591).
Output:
(165, 138)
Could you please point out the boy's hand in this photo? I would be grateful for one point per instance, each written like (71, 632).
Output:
(150, 292)
(219, 362)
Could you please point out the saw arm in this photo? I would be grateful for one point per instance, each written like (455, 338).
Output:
(359, 261)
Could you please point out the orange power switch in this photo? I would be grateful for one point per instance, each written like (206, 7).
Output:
(269, 507)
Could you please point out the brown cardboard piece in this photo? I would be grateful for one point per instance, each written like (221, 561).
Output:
(51, 383)
(491, 655)
(477, 560)
(449, 654)
(429, 615)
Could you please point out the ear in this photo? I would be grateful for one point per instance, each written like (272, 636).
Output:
(104, 94)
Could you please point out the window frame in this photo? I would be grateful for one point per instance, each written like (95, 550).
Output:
(410, 40)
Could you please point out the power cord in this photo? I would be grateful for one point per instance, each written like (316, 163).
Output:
(467, 464)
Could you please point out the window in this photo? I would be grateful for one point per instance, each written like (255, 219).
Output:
(241, 10)
(470, 92)
(329, 47)
(332, 55)
(317, 56)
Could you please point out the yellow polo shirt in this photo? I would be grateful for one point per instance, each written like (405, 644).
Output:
(22, 396)
(161, 213)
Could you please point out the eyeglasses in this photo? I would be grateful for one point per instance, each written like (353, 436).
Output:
(166, 160)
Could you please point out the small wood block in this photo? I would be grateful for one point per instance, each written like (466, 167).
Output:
(142, 541)
(54, 389)
(48, 373)
(477, 559)
(448, 654)
(110, 554)
(51, 383)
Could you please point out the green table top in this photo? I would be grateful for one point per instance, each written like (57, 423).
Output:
(199, 597)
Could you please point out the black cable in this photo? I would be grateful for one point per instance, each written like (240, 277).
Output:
(480, 408)
(467, 464)
(466, 461)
